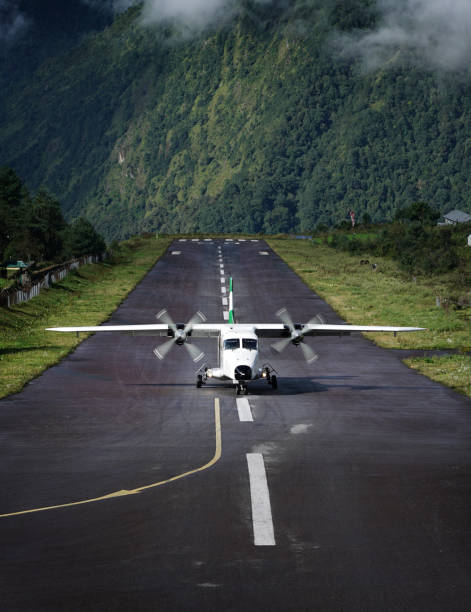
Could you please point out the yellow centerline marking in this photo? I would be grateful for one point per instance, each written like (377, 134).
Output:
(124, 492)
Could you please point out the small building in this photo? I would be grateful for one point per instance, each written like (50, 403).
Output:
(456, 216)
(19, 265)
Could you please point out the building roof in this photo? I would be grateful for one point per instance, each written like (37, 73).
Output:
(457, 216)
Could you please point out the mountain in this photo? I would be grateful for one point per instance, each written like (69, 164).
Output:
(257, 123)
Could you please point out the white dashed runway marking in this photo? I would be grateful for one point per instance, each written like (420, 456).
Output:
(263, 531)
(243, 408)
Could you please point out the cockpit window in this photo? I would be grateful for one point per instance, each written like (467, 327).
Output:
(232, 343)
(249, 343)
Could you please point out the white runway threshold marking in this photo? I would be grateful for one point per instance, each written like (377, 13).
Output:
(263, 531)
(243, 408)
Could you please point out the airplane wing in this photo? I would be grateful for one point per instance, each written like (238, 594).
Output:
(152, 329)
(278, 330)
(263, 330)
(155, 329)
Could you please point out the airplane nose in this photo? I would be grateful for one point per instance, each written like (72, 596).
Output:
(243, 372)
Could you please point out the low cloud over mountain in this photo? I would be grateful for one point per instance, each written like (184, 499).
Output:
(436, 32)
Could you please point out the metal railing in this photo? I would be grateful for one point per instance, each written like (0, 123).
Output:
(29, 285)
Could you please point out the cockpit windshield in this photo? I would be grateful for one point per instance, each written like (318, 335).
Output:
(249, 343)
(231, 344)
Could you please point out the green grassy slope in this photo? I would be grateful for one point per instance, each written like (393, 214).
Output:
(85, 297)
(389, 296)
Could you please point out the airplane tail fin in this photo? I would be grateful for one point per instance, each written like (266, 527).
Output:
(231, 302)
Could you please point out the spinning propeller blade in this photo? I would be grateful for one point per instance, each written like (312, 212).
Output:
(280, 345)
(165, 318)
(164, 348)
(195, 353)
(318, 319)
(180, 335)
(309, 354)
(284, 315)
(198, 317)
(296, 335)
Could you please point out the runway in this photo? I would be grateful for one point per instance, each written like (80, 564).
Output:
(152, 484)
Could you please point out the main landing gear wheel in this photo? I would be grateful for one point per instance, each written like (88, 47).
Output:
(274, 382)
(199, 381)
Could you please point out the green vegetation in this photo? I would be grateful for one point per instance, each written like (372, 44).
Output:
(257, 126)
(413, 240)
(387, 295)
(85, 297)
(33, 228)
(452, 370)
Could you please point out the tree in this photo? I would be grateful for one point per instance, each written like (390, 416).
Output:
(277, 221)
(418, 211)
(13, 198)
(46, 226)
(82, 239)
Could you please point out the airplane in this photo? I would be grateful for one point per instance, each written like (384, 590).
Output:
(238, 343)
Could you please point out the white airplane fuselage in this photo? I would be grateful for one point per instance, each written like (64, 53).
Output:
(238, 355)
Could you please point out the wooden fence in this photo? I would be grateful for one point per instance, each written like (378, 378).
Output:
(29, 285)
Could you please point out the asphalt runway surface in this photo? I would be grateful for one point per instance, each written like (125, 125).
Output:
(367, 467)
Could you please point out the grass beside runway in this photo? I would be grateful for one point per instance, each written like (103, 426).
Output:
(85, 297)
(388, 296)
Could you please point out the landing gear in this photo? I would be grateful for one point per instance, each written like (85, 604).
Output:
(241, 389)
(267, 372)
(201, 376)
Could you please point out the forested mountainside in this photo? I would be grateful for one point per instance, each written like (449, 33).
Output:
(259, 124)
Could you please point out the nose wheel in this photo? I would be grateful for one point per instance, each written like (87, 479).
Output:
(241, 389)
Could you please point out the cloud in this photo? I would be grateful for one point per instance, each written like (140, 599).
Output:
(12, 21)
(192, 15)
(437, 34)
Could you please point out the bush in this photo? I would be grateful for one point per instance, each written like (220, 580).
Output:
(418, 248)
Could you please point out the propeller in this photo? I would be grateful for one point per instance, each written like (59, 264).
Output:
(180, 335)
(296, 336)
